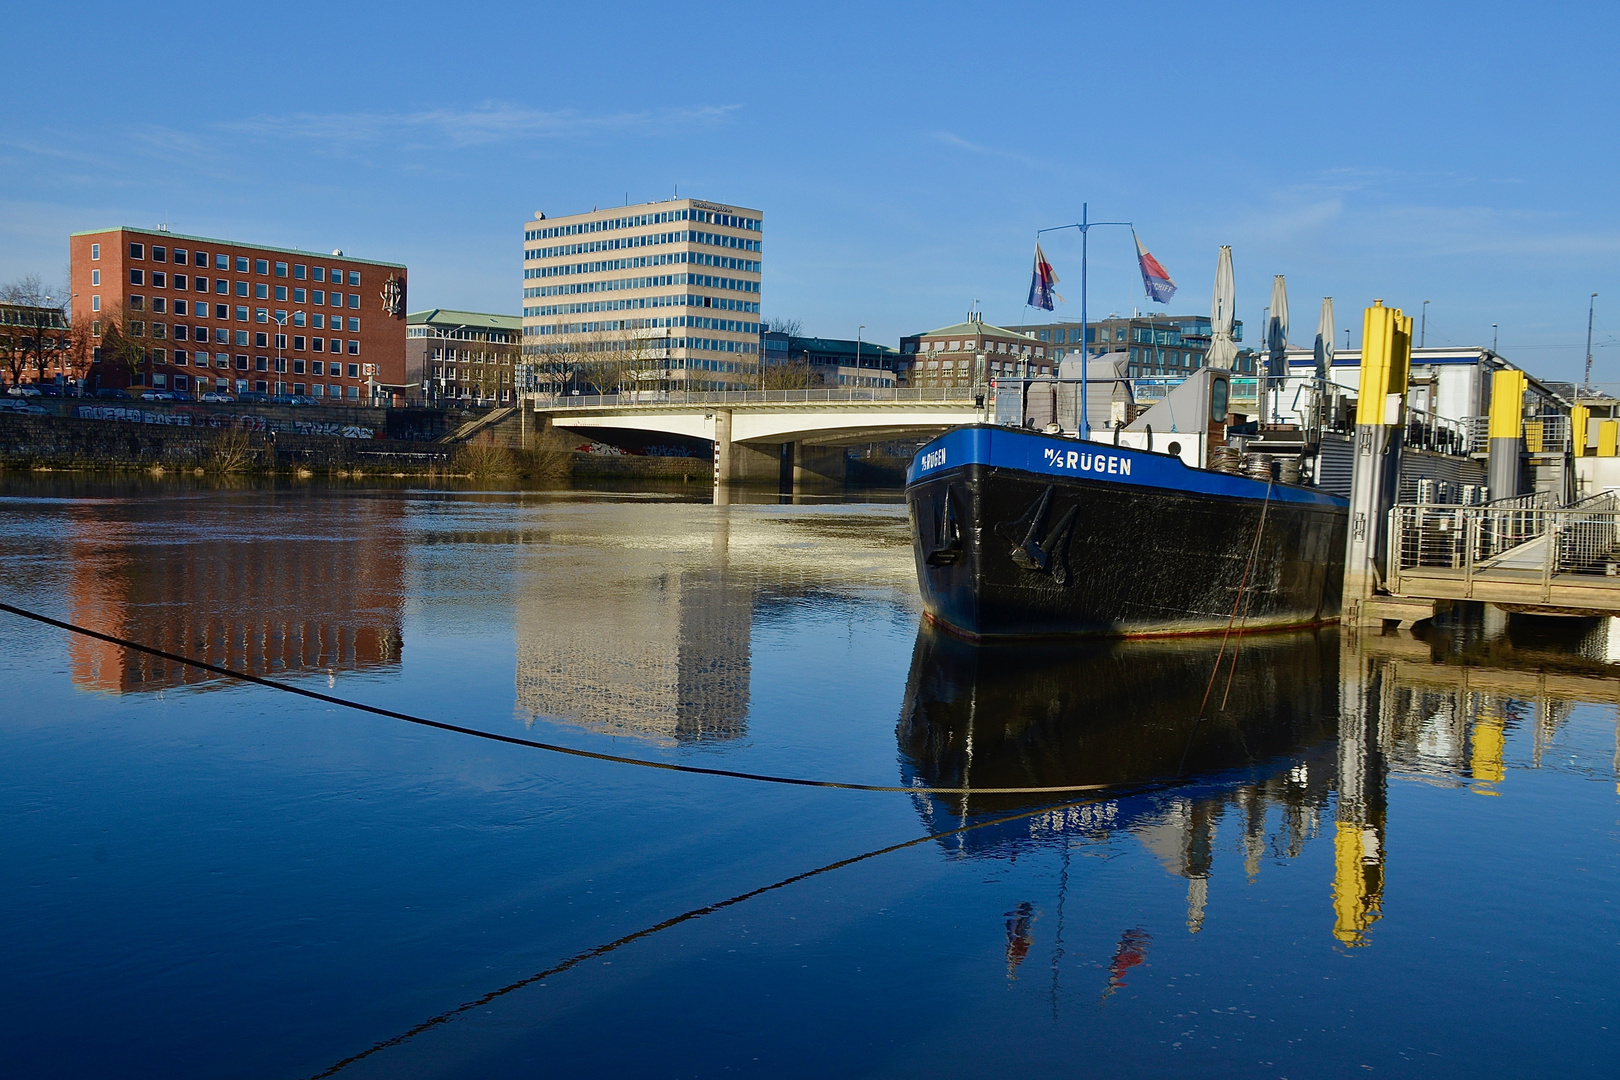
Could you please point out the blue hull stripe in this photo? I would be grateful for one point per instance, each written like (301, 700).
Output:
(1048, 455)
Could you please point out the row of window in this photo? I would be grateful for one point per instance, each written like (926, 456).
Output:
(989, 347)
(223, 287)
(640, 303)
(687, 236)
(638, 221)
(223, 336)
(695, 258)
(224, 262)
(691, 322)
(655, 281)
(318, 320)
(183, 358)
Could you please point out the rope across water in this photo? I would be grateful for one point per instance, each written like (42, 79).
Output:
(513, 740)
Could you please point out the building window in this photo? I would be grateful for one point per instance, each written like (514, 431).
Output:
(159, 280)
(137, 303)
(354, 371)
(95, 251)
(157, 303)
(136, 277)
(335, 345)
(354, 324)
(298, 369)
(298, 271)
(261, 363)
(354, 277)
(298, 343)
(160, 254)
(95, 277)
(299, 297)
(261, 291)
(281, 292)
(317, 344)
(180, 358)
(137, 251)
(261, 315)
(261, 340)
(242, 337)
(298, 318)
(320, 297)
(179, 256)
(354, 350)
(281, 269)
(320, 275)
(95, 303)
(179, 307)
(222, 336)
(354, 392)
(241, 264)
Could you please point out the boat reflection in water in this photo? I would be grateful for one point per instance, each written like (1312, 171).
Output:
(1132, 714)
(1301, 729)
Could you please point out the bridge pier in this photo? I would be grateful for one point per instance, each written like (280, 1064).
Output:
(743, 463)
(819, 464)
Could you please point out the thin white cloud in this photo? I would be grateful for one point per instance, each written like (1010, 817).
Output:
(950, 138)
(492, 122)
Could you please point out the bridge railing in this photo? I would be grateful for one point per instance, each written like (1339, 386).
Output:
(1582, 538)
(819, 395)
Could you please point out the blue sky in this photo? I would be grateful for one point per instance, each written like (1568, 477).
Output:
(903, 155)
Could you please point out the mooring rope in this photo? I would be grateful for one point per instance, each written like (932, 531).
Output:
(687, 916)
(513, 740)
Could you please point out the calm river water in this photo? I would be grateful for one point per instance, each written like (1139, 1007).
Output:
(1394, 856)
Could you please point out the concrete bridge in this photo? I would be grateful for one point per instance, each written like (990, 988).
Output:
(772, 435)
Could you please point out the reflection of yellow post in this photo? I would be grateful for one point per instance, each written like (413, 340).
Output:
(1358, 881)
(1490, 738)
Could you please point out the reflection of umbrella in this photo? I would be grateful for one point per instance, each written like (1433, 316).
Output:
(1222, 352)
(1324, 339)
(1277, 328)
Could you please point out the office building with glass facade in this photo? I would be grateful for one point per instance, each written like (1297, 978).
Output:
(656, 296)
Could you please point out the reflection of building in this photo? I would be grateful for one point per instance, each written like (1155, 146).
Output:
(664, 655)
(322, 594)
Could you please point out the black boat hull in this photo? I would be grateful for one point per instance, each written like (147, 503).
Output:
(1011, 552)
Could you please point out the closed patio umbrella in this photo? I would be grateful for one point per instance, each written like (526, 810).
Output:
(1222, 351)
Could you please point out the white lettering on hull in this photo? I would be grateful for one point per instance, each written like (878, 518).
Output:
(1082, 462)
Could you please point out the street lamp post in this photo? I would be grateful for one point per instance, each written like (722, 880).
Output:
(1423, 329)
(1493, 337)
(281, 336)
(858, 331)
(1085, 226)
(1591, 305)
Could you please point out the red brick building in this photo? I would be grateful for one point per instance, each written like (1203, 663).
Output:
(187, 314)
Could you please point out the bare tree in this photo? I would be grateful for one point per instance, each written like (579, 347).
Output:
(610, 360)
(790, 327)
(35, 327)
(791, 374)
(123, 339)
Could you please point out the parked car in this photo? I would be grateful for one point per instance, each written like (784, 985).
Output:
(218, 396)
(252, 395)
(157, 395)
(24, 390)
(50, 389)
(111, 392)
(305, 399)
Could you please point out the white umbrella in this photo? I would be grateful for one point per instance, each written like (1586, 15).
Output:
(1222, 352)
(1324, 340)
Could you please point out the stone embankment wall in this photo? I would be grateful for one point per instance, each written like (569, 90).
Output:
(141, 437)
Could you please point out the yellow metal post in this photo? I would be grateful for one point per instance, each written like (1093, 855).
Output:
(1608, 438)
(1386, 356)
(1507, 429)
(1580, 418)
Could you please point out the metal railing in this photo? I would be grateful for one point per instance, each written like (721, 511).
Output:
(830, 395)
(1533, 542)
(1548, 433)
